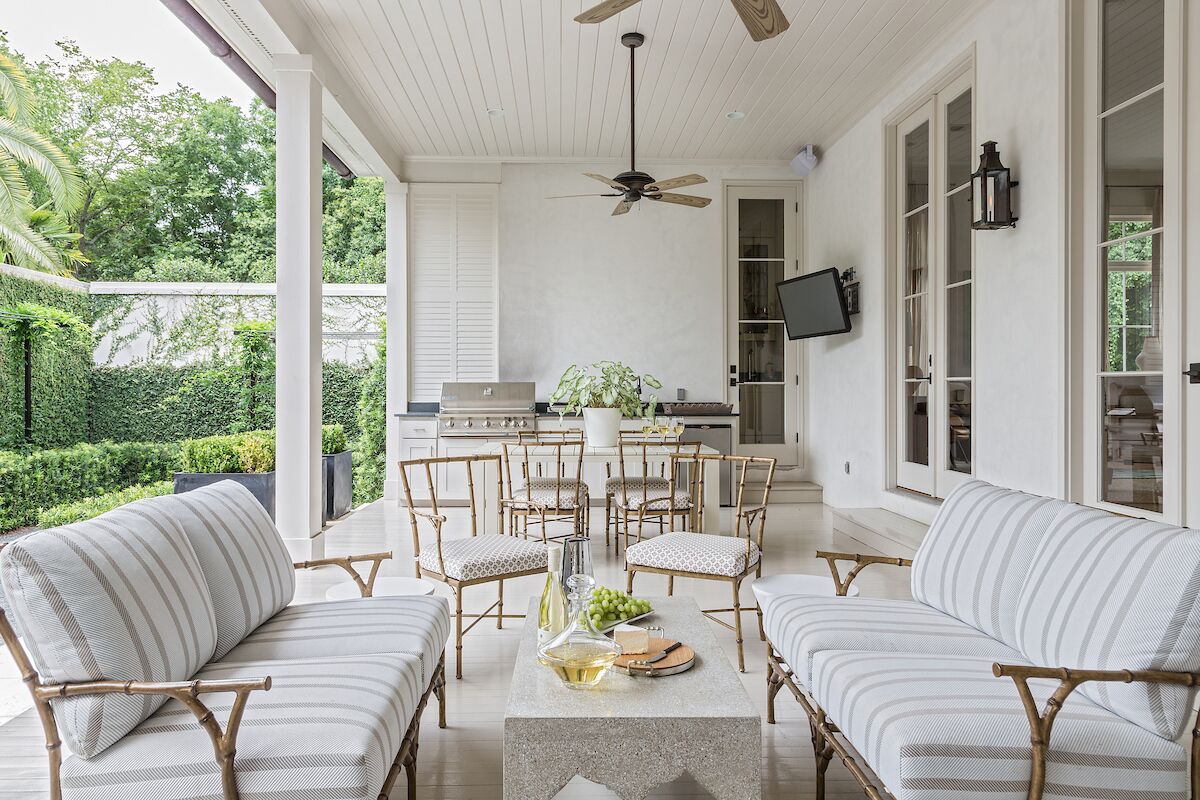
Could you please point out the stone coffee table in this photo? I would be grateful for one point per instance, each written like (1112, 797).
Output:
(632, 734)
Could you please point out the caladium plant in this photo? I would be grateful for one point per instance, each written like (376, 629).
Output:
(605, 384)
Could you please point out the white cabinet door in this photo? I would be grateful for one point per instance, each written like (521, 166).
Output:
(412, 449)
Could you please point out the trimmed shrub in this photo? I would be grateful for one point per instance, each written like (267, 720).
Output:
(252, 451)
(90, 507)
(333, 439)
(42, 479)
(370, 448)
(341, 386)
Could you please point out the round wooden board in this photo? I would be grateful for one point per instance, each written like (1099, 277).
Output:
(679, 660)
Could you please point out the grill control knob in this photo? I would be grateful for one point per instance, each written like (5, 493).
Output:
(449, 423)
(522, 423)
(467, 424)
(504, 423)
(487, 423)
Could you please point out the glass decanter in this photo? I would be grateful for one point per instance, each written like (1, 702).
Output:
(579, 654)
(552, 610)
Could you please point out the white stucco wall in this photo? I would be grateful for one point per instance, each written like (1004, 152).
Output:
(647, 288)
(1019, 307)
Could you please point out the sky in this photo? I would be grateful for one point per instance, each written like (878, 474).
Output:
(133, 30)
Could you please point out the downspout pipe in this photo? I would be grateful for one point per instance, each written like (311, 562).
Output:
(220, 48)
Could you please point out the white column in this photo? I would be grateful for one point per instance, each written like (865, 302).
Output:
(298, 309)
(396, 260)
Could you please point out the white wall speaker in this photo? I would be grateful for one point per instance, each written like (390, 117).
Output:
(805, 161)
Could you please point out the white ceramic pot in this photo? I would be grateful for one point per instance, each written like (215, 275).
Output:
(602, 426)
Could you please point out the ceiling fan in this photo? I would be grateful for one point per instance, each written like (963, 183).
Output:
(632, 186)
(762, 18)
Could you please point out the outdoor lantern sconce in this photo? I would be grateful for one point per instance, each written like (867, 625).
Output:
(991, 192)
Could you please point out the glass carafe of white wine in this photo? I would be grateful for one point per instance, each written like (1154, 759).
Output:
(552, 610)
(579, 654)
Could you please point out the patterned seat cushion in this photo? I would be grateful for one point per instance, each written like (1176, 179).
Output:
(632, 498)
(974, 559)
(484, 556)
(418, 626)
(545, 492)
(1108, 592)
(613, 484)
(803, 626)
(328, 728)
(118, 597)
(245, 563)
(704, 553)
(939, 727)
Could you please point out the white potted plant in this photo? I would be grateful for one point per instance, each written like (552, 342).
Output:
(603, 392)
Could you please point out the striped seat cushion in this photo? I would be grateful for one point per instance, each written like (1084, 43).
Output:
(1108, 592)
(803, 626)
(702, 553)
(418, 626)
(938, 727)
(328, 728)
(119, 597)
(245, 563)
(974, 559)
(484, 556)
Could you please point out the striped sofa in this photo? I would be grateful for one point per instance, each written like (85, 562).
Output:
(1049, 651)
(162, 651)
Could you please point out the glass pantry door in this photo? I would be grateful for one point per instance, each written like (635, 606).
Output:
(764, 365)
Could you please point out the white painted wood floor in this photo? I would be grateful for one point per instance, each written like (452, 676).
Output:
(464, 760)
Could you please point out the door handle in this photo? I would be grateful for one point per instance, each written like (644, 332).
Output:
(1193, 372)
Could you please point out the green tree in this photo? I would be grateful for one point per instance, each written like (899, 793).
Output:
(26, 154)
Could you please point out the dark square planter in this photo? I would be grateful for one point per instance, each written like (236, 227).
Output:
(260, 484)
(337, 483)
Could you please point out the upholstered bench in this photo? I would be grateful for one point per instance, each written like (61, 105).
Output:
(1050, 651)
(161, 649)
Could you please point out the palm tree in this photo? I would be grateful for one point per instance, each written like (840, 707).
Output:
(22, 148)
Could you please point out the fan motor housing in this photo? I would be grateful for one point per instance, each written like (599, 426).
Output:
(635, 181)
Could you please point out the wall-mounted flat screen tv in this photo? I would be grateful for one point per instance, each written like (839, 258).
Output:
(814, 304)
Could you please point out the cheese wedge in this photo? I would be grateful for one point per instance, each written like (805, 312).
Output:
(632, 639)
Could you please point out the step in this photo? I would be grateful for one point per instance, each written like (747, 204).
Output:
(881, 530)
(787, 491)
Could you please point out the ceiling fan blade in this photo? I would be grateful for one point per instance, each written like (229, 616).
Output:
(676, 183)
(605, 10)
(622, 208)
(622, 187)
(762, 18)
(565, 196)
(681, 199)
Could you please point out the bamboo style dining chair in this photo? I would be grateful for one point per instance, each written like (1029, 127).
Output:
(543, 483)
(707, 556)
(642, 486)
(481, 557)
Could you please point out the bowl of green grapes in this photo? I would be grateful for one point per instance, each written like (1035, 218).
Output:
(611, 607)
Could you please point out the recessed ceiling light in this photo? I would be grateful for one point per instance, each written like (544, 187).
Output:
(495, 112)
(735, 115)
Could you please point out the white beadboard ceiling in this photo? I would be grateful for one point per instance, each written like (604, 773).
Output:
(431, 69)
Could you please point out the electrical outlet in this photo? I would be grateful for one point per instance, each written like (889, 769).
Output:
(847, 467)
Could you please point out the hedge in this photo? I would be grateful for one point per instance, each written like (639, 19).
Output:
(370, 460)
(42, 479)
(62, 362)
(145, 403)
(252, 451)
(90, 507)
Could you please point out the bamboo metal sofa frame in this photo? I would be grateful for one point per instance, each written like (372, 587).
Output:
(829, 741)
(749, 524)
(190, 694)
(428, 467)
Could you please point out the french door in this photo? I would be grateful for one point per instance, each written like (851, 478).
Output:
(1135, 284)
(933, 263)
(764, 365)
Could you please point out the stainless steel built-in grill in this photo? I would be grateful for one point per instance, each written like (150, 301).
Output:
(487, 410)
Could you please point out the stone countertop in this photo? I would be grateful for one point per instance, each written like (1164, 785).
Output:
(710, 689)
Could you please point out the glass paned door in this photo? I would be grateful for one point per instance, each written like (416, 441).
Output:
(1132, 458)
(763, 364)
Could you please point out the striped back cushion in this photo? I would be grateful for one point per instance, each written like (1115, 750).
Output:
(1108, 592)
(119, 597)
(245, 562)
(974, 559)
